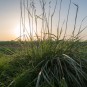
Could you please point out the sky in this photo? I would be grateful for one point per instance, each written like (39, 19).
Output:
(10, 17)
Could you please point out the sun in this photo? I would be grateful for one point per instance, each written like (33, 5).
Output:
(16, 31)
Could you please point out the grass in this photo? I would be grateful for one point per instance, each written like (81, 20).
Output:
(47, 61)
(40, 65)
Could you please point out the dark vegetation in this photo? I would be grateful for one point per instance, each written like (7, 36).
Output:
(44, 64)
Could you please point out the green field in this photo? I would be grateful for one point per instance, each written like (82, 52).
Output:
(43, 64)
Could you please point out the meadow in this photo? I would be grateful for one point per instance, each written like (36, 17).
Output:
(43, 64)
(46, 60)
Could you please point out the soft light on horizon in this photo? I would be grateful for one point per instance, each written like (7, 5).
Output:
(10, 18)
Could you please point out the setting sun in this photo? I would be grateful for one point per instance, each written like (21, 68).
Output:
(16, 31)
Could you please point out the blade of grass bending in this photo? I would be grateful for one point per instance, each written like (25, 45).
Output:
(38, 79)
(80, 31)
(67, 18)
(11, 83)
(59, 20)
(81, 24)
(53, 15)
(61, 29)
(75, 18)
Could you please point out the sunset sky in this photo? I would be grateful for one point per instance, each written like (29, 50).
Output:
(10, 17)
